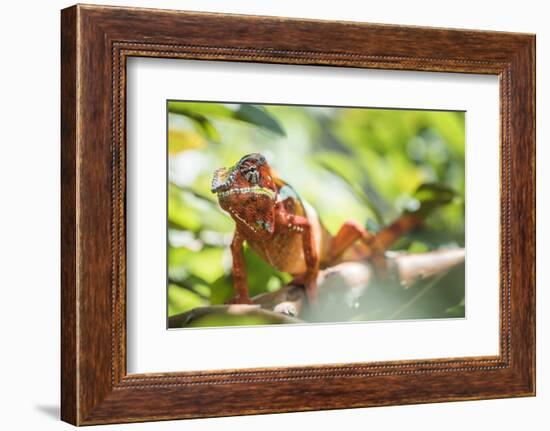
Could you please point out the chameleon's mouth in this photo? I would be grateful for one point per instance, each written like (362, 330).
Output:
(256, 190)
(223, 179)
(223, 182)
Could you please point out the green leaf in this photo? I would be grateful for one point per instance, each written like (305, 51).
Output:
(431, 196)
(206, 264)
(200, 108)
(188, 210)
(200, 112)
(181, 300)
(340, 166)
(259, 273)
(418, 247)
(180, 214)
(221, 290)
(450, 126)
(198, 116)
(207, 128)
(260, 117)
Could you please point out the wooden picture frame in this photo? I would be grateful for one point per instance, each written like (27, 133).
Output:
(95, 43)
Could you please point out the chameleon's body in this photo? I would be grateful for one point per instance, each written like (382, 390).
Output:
(284, 230)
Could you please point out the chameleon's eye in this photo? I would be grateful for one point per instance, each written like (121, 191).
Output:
(251, 175)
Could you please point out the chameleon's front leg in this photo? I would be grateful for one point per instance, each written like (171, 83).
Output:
(240, 284)
(302, 225)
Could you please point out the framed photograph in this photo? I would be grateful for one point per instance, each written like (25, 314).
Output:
(329, 214)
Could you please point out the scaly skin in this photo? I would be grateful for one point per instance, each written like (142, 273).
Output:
(285, 231)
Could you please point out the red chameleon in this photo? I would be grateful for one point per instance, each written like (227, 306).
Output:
(286, 231)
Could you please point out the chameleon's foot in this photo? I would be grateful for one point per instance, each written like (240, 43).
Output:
(380, 266)
(311, 292)
(240, 300)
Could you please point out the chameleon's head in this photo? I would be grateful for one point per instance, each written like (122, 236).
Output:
(248, 193)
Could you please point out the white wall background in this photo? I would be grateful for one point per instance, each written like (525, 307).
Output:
(29, 214)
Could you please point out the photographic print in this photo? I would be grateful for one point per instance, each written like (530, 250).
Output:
(250, 211)
(289, 214)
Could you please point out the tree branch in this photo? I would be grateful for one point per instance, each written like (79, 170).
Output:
(234, 310)
(348, 279)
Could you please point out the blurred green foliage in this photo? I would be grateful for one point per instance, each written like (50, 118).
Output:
(369, 165)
